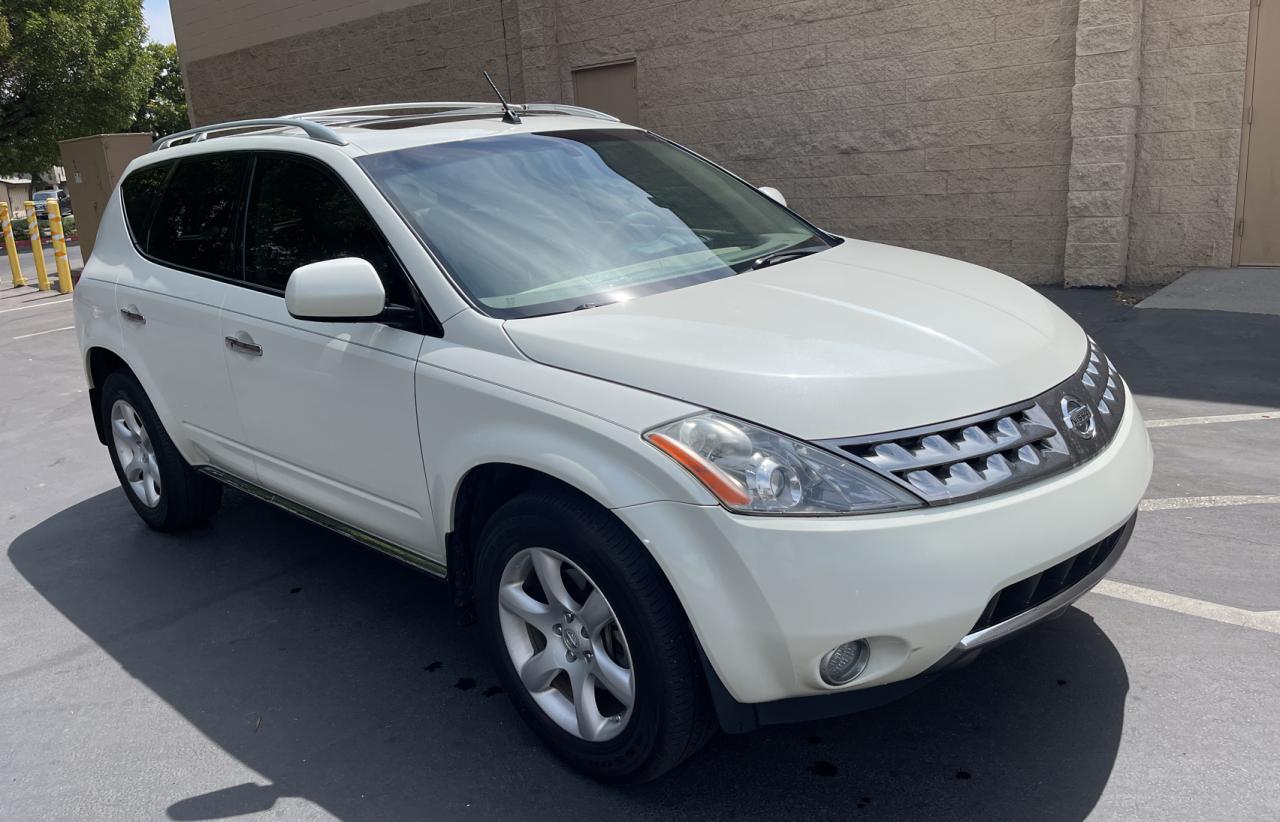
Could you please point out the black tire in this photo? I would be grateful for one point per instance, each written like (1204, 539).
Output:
(187, 497)
(672, 716)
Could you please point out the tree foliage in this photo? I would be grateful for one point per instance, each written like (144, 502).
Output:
(68, 68)
(164, 110)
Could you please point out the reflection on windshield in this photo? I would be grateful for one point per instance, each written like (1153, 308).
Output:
(532, 224)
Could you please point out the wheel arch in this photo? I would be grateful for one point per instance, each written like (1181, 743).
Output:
(481, 491)
(99, 363)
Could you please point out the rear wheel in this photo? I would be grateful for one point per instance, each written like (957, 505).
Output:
(167, 493)
(589, 639)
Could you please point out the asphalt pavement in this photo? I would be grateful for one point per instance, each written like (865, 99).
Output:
(264, 668)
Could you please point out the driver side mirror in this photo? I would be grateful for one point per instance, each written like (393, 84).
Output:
(347, 288)
(773, 194)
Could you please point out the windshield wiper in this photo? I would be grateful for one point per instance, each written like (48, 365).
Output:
(782, 256)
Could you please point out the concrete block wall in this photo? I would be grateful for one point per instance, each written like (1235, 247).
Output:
(207, 28)
(1077, 141)
(1187, 137)
(1104, 110)
(943, 126)
(428, 51)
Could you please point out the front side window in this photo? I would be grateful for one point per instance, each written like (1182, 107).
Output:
(532, 224)
(140, 192)
(300, 213)
(194, 223)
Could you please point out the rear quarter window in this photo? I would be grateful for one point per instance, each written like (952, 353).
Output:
(140, 192)
(195, 220)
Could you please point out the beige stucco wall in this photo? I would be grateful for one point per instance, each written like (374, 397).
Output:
(1091, 141)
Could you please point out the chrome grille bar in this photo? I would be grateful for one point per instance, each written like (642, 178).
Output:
(998, 450)
(1008, 433)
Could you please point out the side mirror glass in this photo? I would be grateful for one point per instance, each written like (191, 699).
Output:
(347, 288)
(773, 194)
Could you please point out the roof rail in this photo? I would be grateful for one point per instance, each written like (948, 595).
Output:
(315, 131)
(351, 115)
(378, 108)
(452, 109)
(575, 111)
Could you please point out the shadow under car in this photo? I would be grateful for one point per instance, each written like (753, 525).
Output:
(340, 676)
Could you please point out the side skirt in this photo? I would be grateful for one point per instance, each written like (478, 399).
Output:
(310, 514)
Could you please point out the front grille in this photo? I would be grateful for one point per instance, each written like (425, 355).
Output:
(1001, 449)
(1037, 589)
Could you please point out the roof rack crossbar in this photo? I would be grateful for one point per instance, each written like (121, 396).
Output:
(314, 131)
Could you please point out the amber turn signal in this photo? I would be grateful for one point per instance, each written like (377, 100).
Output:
(725, 487)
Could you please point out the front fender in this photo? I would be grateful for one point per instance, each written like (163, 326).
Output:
(477, 407)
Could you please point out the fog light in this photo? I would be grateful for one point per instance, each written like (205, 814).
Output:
(843, 663)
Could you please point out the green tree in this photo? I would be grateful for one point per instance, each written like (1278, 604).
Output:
(164, 110)
(68, 68)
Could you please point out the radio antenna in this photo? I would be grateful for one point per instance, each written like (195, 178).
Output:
(508, 114)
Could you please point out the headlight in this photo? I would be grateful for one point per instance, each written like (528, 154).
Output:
(755, 471)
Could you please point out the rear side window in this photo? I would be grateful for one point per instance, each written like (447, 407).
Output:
(194, 224)
(301, 213)
(140, 192)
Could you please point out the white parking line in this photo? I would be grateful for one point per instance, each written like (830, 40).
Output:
(1268, 621)
(37, 305)
(1259, 415)
(48, 331)
(1169, 503)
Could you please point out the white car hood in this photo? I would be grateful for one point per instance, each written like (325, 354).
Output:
(859, 339)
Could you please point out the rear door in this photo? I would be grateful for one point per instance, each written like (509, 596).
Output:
(328, 407)
(183, 217)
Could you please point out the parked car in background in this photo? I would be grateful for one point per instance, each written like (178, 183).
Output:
(688, 458)
(41, 199)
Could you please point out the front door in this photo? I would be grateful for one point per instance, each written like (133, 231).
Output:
(1258, 242)
(328, 407)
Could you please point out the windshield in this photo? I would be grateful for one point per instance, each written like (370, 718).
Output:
(531, 224)
(44, 195)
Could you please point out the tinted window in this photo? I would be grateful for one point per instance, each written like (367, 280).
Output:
(300, 213)
(194, 225)
(140, 191)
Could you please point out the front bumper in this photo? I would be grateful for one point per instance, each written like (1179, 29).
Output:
(769, 596)
(737, 717)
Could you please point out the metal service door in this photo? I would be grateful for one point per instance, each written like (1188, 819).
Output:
(1258, 240)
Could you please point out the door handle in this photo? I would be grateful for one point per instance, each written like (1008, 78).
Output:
(133, 315)
(244, 346)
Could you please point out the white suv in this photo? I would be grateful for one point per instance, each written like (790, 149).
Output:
(689, 459)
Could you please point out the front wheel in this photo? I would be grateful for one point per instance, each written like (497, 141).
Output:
(588, 638)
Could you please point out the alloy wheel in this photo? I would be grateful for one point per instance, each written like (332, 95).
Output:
(566, 644)
(135, 452)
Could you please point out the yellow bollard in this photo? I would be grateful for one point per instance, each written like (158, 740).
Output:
(33, 231)
(59, 244)
(10, 246)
